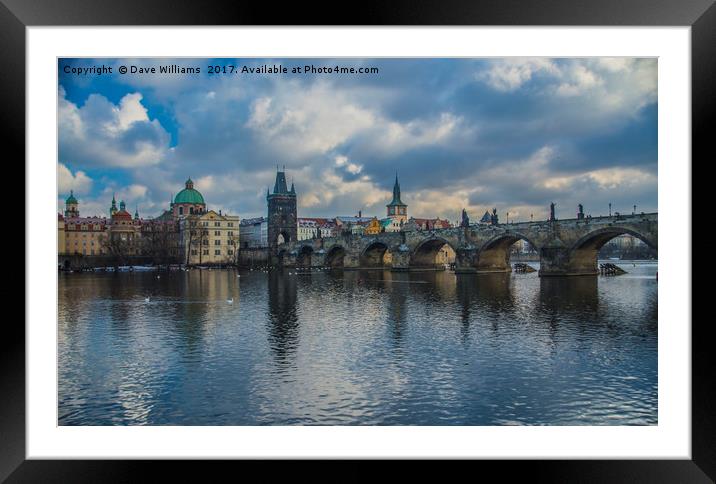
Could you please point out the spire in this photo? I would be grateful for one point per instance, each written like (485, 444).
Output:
(136, 212)
(280, 185)
(113, 207)
(293, 189)
(396, 193)
(122, 205)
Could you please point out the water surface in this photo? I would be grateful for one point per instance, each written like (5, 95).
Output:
(357, 348)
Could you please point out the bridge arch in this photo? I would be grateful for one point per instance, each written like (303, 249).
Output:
(431, 253)
(284, 237)
(494, 254)
(335, 257)
(596, 239)
(584, 253)
(376, 255)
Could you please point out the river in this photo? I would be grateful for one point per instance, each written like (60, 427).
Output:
(357, 348)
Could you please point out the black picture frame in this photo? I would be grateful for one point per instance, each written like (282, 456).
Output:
(700, 15)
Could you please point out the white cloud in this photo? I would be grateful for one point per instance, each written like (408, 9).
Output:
(609, 86)
(511, 74)
(299, 122)
(66, 181)
(103, 134)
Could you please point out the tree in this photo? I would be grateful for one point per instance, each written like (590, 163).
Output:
(159, 240)
(234, 247)
(117, 247)
(194, 236)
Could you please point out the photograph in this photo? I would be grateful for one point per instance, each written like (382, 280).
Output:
(344, 241)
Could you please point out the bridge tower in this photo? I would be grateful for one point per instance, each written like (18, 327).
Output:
(397, 210)
(282, 212)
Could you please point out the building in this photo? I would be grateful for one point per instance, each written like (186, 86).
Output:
(79, 235)
(186, 231)
(431, 223)
(373, 227)
(328, 229)
(82, 235)
(72, 206)
(188, 201)
(282, 212)
(397, 210)
(254, 233)
(353, 225)
(209, 238)
(311, 228)
(123, 233)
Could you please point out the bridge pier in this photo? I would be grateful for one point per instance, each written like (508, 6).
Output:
(466, 260)
(401, 259)
(559, 261)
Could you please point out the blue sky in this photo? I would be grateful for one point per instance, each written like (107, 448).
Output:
(513, 133)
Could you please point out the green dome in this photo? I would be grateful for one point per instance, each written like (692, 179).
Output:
(71, 198)
(189, 195)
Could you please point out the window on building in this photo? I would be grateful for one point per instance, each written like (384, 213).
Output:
(217, 242)
(206, 252)
(194, 252)
(181, 210)
(217, 252)
(230, 252)
(217, 232)
(217, 224)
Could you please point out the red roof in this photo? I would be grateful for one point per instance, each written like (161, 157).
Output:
(121, 215)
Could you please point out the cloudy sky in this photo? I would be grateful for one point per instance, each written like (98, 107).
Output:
(515, 134)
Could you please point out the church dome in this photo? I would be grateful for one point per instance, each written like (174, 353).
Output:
(71, 199)
(189, 194)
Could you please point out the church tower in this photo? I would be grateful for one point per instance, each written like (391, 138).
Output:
(397, 210)
(282, 212)
(113, 207)
(71, 206)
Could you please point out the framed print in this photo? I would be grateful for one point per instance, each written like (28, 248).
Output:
(432, 234)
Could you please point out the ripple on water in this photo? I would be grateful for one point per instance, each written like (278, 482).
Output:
(357, 348)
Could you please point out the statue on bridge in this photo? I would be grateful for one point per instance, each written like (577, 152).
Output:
(580, 213)
(493, 217)
(552, 218)
(465, 219)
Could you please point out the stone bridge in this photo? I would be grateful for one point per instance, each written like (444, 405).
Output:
(566, 247)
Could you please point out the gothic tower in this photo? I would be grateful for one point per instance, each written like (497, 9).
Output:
(397, 210)
(282, 212)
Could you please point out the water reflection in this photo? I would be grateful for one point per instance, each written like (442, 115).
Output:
(357, 347)
(283, 325)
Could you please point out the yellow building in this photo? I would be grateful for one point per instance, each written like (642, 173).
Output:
(79, 235)
(373, 227)
(60, 234)
(209, 238)
(186, 231)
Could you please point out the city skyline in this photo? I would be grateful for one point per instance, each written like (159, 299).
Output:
(447, 126)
